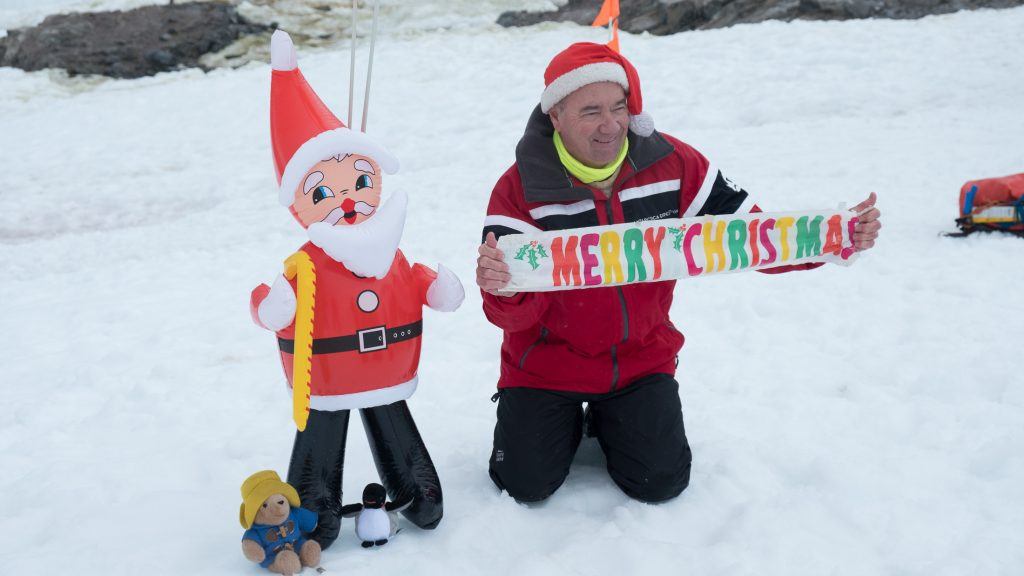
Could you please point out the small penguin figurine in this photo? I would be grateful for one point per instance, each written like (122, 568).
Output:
(376, 520)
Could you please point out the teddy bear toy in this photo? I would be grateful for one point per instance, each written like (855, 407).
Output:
(276, 526)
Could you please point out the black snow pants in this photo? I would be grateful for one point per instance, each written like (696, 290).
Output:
(639, 427)
(402, 460)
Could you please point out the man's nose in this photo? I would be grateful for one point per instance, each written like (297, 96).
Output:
(609, 124)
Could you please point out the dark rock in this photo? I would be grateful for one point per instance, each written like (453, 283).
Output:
(127, 44)
(670, 16)
(161, 58)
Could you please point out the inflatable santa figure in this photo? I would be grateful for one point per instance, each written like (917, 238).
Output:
(348, 309)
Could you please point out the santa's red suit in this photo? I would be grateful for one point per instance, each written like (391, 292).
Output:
(366, 333)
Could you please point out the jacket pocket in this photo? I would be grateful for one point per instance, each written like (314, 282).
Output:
(540, 339)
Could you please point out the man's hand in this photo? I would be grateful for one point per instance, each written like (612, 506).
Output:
(491, 271)
(866, 231)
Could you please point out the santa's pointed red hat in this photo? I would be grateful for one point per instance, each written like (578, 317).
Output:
(586, 63)
(303, 131)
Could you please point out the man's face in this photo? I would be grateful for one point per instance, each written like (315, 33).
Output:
(339, 192)
(592, 122)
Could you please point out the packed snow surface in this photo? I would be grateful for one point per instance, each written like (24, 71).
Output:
(863, 420)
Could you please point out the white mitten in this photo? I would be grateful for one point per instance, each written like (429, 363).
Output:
(277, 311)
(446, 293)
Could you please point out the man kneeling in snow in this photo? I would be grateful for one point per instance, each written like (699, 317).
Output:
(590, 157)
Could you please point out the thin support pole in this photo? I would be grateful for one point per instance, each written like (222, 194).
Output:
(352, 67)
(369, 67)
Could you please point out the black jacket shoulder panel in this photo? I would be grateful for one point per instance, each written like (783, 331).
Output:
(645, 151)
(543, 177)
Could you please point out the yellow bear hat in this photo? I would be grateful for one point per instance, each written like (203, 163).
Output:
(255, 491)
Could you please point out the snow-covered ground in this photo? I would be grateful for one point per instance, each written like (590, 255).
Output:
(854, 421)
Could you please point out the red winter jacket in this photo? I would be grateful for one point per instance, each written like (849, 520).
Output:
(598, 339)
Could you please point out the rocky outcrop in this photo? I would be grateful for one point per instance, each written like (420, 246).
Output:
(671, 16)
(127, 44)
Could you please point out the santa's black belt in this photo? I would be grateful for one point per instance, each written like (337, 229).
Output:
(367, 340)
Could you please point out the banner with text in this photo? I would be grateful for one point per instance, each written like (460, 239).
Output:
(658, 250)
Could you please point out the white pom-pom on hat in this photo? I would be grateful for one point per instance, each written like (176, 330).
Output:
(641, 124)
(282, 51)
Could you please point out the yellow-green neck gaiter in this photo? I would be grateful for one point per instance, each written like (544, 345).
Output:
(585, 173)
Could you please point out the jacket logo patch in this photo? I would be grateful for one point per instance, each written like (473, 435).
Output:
(674, 213)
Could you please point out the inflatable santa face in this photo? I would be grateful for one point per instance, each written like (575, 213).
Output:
(342, 190)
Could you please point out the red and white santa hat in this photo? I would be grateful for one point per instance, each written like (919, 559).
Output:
(586, 63)
(303, 131)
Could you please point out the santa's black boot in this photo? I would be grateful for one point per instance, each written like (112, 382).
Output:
(403, 463)
(317, 464)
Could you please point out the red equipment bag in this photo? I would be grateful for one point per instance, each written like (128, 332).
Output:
(992, 204)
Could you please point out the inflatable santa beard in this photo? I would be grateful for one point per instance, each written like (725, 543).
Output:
(368, 248)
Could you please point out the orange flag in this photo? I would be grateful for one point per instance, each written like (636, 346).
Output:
(609, 16)
(609, 11)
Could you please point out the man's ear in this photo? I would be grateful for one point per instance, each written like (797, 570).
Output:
(553, 115)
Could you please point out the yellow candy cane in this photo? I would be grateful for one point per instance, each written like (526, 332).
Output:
(302, 356)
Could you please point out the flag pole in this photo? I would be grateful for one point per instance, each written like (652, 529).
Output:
(352, 66)
(609, 16)
(369, 67)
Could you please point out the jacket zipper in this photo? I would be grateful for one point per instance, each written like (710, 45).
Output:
(543, 335)
(625, 312)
